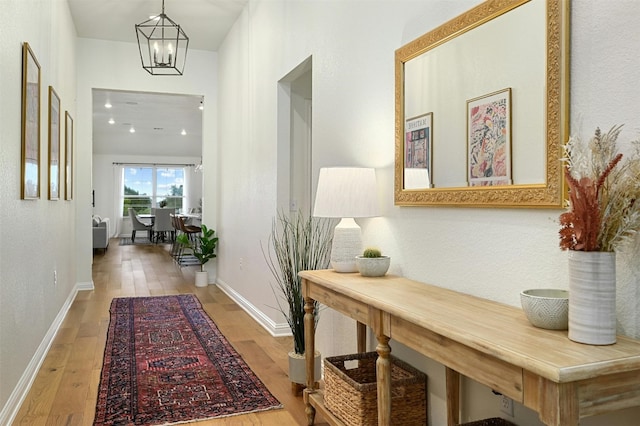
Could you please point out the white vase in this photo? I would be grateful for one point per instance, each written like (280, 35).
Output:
(202, 278)
(592, 297)
(298, 368)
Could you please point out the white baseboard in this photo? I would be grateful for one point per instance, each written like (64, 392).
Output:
(275, 329)
(10, 410)
(85, 286)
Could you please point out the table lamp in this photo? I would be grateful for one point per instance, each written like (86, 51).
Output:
(346, 193)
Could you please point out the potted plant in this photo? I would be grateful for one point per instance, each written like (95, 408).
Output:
(203, 248)
(372, 263)
(603, 214)
(297, 243)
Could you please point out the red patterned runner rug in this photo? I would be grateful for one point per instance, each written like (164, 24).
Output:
(166, 362)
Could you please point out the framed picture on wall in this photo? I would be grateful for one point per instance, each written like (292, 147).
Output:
(418, 149)
(30, 167)
(489, 139)
(68, 156)
(54, 144)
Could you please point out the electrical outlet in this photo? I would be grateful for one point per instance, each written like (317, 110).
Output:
(55, 278)
(506, 405)
(241, 263)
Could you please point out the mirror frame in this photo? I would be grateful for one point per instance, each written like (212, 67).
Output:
(550, 194)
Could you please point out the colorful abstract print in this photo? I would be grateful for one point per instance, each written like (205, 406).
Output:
(488, 144)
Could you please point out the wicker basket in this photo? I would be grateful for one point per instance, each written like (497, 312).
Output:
(351, 393)
(494, 421)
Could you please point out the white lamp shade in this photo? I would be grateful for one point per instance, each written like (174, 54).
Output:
(346, 192)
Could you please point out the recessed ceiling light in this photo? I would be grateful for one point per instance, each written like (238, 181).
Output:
(111, 121)
(183, 132)
(107, 105)
(132, 130)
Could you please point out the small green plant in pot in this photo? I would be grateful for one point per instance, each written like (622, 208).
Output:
(372, 263)
(371, 253)
(203, 248)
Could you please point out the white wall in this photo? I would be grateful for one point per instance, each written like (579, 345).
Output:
(31, 307)
(112, 65)
(33, 231)
(492, 253)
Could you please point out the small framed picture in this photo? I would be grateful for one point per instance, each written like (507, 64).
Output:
(489, 139)
(54, 145)
(418, 146)
(68, 156)
(30, 179)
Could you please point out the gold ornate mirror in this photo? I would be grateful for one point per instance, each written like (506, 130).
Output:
(482, 108)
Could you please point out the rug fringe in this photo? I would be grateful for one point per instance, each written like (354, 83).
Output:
(261, 410)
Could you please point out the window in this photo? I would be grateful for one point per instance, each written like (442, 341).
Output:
(146, 187)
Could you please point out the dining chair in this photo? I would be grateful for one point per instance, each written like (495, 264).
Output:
(191, 231)
(176, 248)
(162, 224)
(138, 225)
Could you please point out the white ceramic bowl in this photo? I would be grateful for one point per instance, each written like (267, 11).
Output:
(373, 266)
(546, 308)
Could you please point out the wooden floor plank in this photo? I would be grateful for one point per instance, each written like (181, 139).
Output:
(65, 389)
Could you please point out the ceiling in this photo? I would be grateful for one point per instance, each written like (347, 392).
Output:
(157, 117)
(158, 120)
(206, 22)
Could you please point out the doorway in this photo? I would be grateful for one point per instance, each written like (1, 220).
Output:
(295, 140)
(144, 128)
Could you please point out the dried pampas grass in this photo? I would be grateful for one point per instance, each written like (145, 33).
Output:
(603, 188)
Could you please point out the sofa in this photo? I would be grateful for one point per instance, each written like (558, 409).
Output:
(101, 233)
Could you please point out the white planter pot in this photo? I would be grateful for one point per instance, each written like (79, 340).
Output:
(373, 266)
(592, 297)
(202, 278)
(298, 368)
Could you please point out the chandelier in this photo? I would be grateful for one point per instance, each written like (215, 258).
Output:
(162, 44)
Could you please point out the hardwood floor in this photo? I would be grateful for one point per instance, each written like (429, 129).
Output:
(65, 389)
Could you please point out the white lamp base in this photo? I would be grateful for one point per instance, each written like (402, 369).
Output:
(347, 244)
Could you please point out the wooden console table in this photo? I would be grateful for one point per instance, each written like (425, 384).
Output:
(486, 341)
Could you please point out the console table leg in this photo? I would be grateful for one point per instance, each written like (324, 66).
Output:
(453, 397)
(559, 404)
(309, 350)
(361, 330)
(383, 371)
(309, 410)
